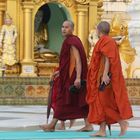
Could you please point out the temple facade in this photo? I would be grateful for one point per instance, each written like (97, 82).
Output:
(30, 15)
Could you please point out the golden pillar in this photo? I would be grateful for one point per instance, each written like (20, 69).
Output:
(82, 17)
(2, 9)
(28, 65)
(93, 14)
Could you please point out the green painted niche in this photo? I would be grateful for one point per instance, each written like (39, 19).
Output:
(54, 15)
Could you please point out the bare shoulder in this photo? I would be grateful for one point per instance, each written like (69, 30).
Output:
(73, 48)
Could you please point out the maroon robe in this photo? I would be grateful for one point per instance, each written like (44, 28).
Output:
(70, 106)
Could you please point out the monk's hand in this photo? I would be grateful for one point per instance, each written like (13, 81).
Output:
(106, 79)
(77, 83)
(55, 75)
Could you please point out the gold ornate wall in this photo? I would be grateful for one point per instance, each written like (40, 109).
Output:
(84, 13)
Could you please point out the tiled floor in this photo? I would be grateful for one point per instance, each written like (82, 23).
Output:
(30, 117)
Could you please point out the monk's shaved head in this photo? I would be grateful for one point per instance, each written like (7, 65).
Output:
(103, 27)
(70, 23)
(67, 28)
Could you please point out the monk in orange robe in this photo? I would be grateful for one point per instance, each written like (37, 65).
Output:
(110, 105)
(72, 70)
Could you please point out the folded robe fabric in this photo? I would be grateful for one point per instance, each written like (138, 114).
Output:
(113, 104)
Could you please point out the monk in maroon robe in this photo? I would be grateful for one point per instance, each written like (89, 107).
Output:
(72, 70)
(54, 99)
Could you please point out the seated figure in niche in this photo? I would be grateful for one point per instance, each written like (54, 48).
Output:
(42, 54)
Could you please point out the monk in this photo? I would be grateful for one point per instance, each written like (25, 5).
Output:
(72, 70)
(55, 78)
(110, 105)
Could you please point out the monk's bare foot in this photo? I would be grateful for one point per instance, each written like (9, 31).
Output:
(124, 126)
(71, 123)
(61, 127)
(87, 128)
(47, 128)
(99, 134)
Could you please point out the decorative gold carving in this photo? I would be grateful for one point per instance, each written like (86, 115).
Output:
(68, 3)
(39, 1)
(133, 87)
(29, 89)
(2, 5)
(46, 69)
(119, 31)
(133, 91)
(17, 90)
(99, 9)
(83, 1)
(36, 1)
(100, 4)
(37, 91)
(27, 5)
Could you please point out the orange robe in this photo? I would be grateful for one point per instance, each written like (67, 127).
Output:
(112, 104)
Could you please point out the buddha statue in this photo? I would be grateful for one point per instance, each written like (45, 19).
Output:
(40, 29)
(42, 54)
(8, 35)
(119, 31)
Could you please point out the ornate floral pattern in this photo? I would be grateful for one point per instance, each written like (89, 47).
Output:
(19, 90)
(33, 90)
(8, 90)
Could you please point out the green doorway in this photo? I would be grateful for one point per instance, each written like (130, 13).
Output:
(48, 22)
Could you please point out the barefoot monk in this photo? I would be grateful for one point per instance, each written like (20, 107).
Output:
(72, 70)
(106, 91)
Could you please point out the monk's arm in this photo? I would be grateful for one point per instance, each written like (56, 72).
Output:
(78, 65)
(107, 65)
(106, 78)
